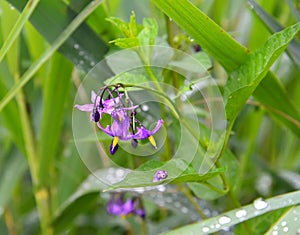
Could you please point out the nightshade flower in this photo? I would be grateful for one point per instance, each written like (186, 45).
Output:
(160, 175)
(99, 105)
(117, 206)
(125, 126)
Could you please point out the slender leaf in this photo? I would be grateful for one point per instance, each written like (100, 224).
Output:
(221, 46)
(55, 94)
(83, 47)
(178, 172)
(239, 215)
(48, 53)
(206, 32)
(273, 26)
(243, 83)
(15, 31)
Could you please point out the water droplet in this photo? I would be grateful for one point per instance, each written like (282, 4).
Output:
(240, 213)
(275, 233)
(92, 63)
(145, 107)
(184, 210)
(205, 229)
(260, 204)
(161, 188)
(218, 225)
(81, 53)
(224, 220)
(285, 229)
(81, 62)
(76, 46)
(283, 223)
(177, 204)
(11, 7)
(120, 173)
(298, 231)
(230, 97)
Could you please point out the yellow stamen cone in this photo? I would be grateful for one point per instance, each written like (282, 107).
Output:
(115, 142)
(152, 141)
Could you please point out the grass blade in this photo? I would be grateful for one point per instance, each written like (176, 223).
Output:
(49, 52)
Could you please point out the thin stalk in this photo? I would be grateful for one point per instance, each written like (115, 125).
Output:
(190, 197)
(41, 194)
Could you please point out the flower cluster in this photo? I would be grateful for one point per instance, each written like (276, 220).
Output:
(118, 206)
(119, 106)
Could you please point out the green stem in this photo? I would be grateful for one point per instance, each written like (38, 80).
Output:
(190, 197)
(41, 194)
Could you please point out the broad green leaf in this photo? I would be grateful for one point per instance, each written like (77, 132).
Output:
(245, 80)
(221, 46)
(56, 89)
(236, 216)
(83, 47)
(178, 172)
(67, 32)
(273, 26)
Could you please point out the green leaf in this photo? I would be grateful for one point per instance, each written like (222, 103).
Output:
(84, 51)
(126, 43)
(85, 196)
(67, 32)
(273, 26)
(206, 32)
(287, 223)
(236, 216)
(178, 171)
(221, 46)
(10, 176)
(245, 80)
(128, 78)
(56, 89)
(19, 24)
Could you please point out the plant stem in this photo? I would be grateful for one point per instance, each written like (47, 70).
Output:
(190, 197)
(41, 194)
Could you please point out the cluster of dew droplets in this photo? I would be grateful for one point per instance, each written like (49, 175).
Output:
(84, 58)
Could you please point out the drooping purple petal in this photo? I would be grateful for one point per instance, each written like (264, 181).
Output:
(143, 133)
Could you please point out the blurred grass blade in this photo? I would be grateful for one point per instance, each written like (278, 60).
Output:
(231, 218)
(273, 26)
(206, 32)
(56, 89)
(83, 47)
(243, 83)
(15, 31)
(221, 46)
(49, 52)
(12, 172)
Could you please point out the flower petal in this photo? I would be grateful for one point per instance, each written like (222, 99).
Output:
(85, 107)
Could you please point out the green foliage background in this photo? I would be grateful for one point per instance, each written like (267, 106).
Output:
(47, 47)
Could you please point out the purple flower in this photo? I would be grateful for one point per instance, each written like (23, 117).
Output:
(105, 106)
(117, 206)
(160, 175)
(143, 133)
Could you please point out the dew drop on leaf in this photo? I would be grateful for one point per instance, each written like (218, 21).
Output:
(240, 213)
(224, 220)
(205, 229)
(260, 204)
